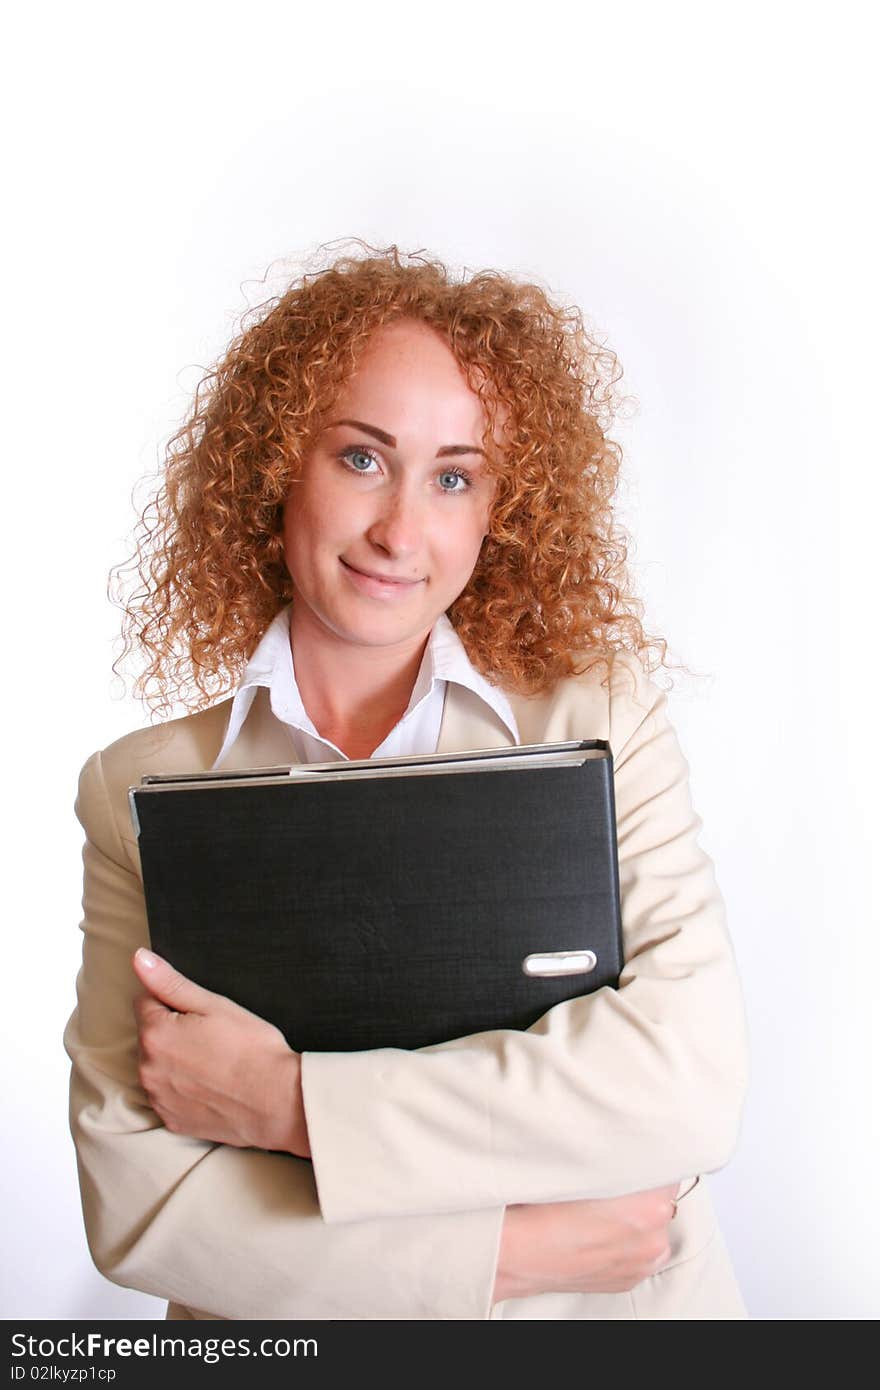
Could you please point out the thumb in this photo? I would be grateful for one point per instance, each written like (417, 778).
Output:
(168, 985)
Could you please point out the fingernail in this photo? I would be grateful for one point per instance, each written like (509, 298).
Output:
(147, 958)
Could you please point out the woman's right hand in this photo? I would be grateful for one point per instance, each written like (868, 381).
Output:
(596, 1245)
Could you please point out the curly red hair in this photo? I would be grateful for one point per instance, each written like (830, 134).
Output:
(549, 596)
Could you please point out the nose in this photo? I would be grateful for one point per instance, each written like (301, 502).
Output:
(398, 526)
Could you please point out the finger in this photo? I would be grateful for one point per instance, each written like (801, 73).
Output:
(170, 987)
(146, 1008)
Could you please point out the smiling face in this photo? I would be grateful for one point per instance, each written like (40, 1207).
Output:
(383, 528)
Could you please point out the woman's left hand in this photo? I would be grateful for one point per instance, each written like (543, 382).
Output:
(212, 1069)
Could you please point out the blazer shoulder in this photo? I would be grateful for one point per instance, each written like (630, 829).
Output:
(635, 700)
(188, 744)
(609, 697)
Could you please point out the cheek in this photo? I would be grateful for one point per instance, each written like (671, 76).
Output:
(299, 539)
(290, 531)
(462, 547)
(480, 519)
(312, 520)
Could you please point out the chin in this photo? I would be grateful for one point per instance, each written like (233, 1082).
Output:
(382, 629)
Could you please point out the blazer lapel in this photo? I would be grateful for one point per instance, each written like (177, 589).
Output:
(263, 740)
(468, 722)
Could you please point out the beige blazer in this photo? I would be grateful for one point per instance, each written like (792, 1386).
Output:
(415, 1154)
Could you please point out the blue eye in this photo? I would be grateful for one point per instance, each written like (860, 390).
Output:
(348, 454)
(354, 452)
(459, 475)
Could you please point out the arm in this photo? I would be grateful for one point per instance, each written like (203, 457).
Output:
(216, 1071)
(232, 1232)
(616, 1092)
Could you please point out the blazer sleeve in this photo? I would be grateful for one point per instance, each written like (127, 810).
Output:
(235, 1233)
(614, 1092)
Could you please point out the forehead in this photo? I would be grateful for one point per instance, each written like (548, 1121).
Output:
(408, 371)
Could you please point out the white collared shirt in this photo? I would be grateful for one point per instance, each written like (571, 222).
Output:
(417, 731)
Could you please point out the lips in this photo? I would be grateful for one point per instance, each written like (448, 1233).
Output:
(382, 578)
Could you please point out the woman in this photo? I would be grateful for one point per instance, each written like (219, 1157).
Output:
(387, 522)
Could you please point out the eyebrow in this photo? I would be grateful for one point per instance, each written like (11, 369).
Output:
(448, 450)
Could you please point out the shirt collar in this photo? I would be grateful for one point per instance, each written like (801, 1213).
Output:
(271, 665)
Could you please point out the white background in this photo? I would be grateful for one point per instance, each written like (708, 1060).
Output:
(700, 179)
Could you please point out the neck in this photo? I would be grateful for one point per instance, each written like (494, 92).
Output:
(354, 695)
